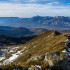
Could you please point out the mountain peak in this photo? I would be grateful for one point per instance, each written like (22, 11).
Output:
(54, 33)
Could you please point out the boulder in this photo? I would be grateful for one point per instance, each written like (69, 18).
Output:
(40, 57)
(52, 58)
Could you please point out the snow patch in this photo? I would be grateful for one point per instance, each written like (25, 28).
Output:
(24, 47)
(68, 40)
(38, 67)
(2, 58)
(65, 51)
(12, 51)
(14, 56)
(34, 46)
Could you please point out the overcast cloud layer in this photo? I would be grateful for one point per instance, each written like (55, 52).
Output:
(29, 8)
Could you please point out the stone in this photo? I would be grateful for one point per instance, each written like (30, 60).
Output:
(52, 58)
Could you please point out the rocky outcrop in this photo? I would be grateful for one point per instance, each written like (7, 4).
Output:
(52, 58)
(37, 58)
(56, 62)
(40, 57)
(52, 61)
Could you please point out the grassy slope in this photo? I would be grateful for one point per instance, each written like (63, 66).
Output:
(42, 44)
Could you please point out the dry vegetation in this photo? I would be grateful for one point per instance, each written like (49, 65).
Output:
(42, 44)
(48, 41)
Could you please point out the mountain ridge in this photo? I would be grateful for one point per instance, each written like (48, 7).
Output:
(36, 21)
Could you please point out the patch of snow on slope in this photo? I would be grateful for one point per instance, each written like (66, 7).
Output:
(34, 46)
(12, 58)
(64, 51)
(2, 58)
(38, 67)
(12, 51)
(68, 40)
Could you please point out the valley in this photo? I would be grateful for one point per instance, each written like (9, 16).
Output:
(20, 31)
(6, 40)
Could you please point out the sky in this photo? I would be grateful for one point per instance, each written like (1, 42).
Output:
(30, 8)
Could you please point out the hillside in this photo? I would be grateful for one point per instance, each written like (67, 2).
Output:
(6, 40)
(47, 42)
(21, 31)
(6, 28)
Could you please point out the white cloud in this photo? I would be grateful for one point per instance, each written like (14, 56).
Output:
(53, 3)
(29, 10)
(32, 0)
(20, 0)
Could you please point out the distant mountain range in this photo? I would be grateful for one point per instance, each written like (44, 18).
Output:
(36, 21)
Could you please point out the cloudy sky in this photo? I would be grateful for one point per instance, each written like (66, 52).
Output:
(29, 8)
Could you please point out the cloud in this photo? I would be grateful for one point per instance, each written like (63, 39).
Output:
(19, 0)
(29, 10)
(36, 1)
(53, 3)
(25, 1)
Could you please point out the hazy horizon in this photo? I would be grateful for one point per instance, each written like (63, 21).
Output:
(32, 16)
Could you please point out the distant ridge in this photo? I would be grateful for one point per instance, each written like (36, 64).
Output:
(20, 31)
(36, 21)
